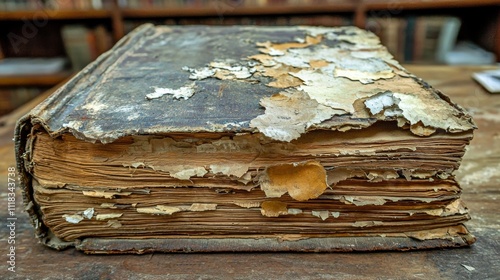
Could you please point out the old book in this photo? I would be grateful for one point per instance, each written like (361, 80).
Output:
(245, 139)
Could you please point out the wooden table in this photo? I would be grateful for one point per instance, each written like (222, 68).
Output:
(479, 175)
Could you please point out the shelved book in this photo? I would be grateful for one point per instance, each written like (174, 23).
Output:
(220, 4)
(16, 5)
(417, 39)
(316, 20)
(245, 139)
(83, 44)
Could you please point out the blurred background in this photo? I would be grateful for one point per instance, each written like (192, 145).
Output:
(43, 42)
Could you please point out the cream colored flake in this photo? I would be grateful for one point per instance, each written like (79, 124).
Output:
(363, 70)
(289, 114)
(367, 223)
(434, 212)
(271, 51)
(101, 217)
(293, 61)
(159, 210)
(182, 172)
(363, 77)
(264, 59)
(335, 214)
(114, 224)
(335, 92)
(363, 200)
(424, 111)
(321, 214)
(431, 111)
(108, 205)
(105, 194)
(200, 207)
(169, 210)
(457, 207)
(382, 175)
(340, 174)
(246, 178)
(228, 70)
(247, 204)
(230, 169)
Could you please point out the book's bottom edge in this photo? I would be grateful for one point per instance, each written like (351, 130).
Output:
(323, 244)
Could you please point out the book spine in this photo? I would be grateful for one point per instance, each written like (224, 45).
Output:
(447, 37)
(78, 48)
(409, 39)
(419, 38)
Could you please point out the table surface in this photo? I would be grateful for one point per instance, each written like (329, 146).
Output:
(479, 176)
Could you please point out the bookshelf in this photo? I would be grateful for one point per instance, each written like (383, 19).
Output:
(272, 9)
(43, 80)
(55, 14)
(357, 10)
(426, 4)
(115, 14)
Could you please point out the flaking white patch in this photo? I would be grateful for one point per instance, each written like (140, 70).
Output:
(229, 70)
(73, 219)
(324, 214)
(380, 102)
(88, 213)
(95, 107)
(363, 70)
(199, 74)
(292, 61)
(184, 92)
(275, 52)
(294, 211)
(133, 116)
(73, 125)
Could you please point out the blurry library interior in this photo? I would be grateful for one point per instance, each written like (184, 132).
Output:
(44, 42)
